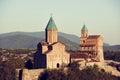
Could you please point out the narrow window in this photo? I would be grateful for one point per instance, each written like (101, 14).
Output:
(58, 65)
(83, 41)
(49, 47)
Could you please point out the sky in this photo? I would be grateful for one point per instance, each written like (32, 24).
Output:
(102, 17)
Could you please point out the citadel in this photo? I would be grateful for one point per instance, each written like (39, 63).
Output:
(52, 54)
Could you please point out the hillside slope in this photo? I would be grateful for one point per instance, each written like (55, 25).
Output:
(10, 40)
(25, 41)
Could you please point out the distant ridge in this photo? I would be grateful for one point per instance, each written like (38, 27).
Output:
(41, 34)
(31, 39)
(112, 48)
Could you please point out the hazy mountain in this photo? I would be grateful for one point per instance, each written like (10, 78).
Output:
(19, 41)
(30, 40)
(112, 48)
(106, 44)
(41, 34)
(69, 44)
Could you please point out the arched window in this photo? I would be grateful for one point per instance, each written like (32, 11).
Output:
(58, 65)
(83, 41)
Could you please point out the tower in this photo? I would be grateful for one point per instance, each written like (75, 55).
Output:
(91, 44)
(51, 32)
(84, 35)
(84, 31)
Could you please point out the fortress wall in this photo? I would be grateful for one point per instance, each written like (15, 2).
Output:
(83, 64)
(100, 64)
(34, 74)
(29, 74)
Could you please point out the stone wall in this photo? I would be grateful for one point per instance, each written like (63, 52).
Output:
(51, 36)
(26, 74)
(58, 56)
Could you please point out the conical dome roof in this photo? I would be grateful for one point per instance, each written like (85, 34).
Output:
(51, 25)
(84, 27)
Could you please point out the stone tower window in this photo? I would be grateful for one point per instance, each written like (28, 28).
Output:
(50, 47)
(83, 41)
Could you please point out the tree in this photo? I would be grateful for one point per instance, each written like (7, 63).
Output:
(29, 64)
(95, 73)
(74, 66)
(19, 63)
(74, 73)
(7, 71)
(52, 74)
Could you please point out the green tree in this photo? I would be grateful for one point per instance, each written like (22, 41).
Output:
(19, 63)
(1, 70)
(95, 73)
(7, 71)
(73, 72)
(52, 74)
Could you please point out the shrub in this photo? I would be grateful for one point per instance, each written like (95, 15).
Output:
(73, 73)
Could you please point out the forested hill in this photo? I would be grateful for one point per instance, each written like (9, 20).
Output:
(31, 39)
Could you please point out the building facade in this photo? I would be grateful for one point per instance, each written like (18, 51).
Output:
(91, 44)
(91, 49)
(51, 53)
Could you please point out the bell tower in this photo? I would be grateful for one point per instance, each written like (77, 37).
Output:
(51, 31)
(84, 31)
(84, 35)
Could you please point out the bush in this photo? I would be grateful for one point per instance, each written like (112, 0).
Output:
(95, 73)
(74, 73)
(54, 74)
(7, 71)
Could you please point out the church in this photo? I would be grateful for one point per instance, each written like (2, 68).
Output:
(52, 54)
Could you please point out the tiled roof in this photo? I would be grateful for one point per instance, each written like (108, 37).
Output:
(89, 45)
(94, 60)
(80, 60)
(93, 36)
(79, 55)
(48, 51)
(44, 43)
(54, 43)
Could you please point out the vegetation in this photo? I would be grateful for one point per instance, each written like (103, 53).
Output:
(112, 55)
(11, 59)
(55, 74)
(7, 70)
(15, 60)
(74, 73)
(18, 40)
(94, 73)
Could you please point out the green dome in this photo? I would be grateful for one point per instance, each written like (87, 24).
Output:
(51, 25)
(84, 27)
